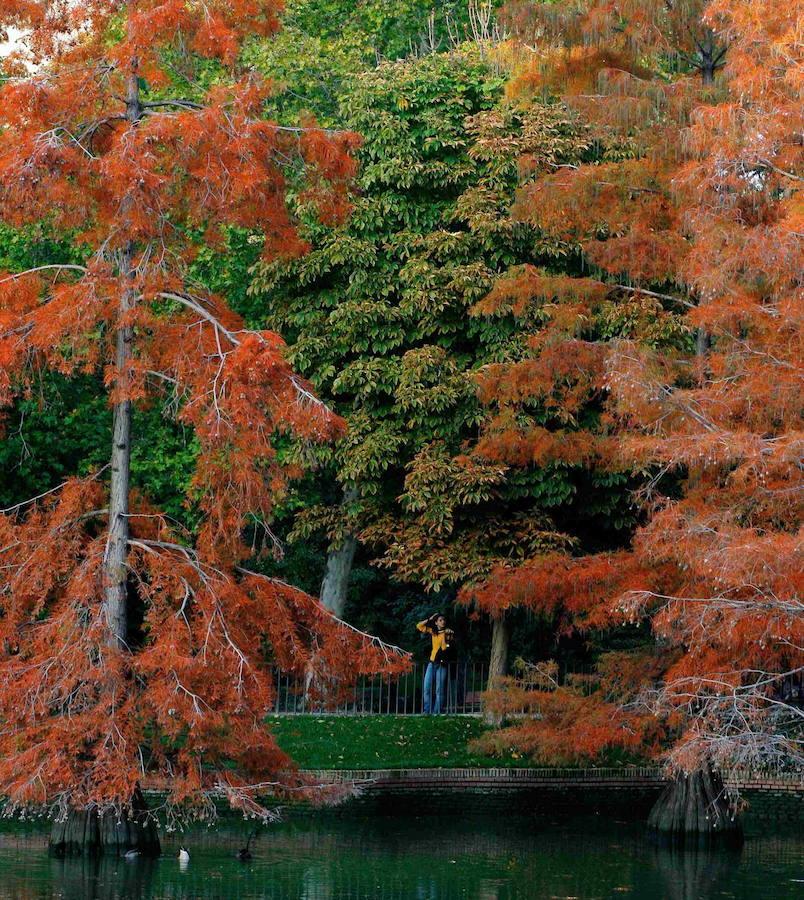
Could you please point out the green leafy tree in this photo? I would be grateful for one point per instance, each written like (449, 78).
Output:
(324, 44)
(378, 316)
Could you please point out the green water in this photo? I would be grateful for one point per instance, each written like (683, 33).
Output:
(430, 857)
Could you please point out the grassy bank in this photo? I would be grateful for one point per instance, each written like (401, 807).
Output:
(383, 742)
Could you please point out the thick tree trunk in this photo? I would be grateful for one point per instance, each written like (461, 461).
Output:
(695, 806)
(85, 831)
(335, 585)
(498, 661)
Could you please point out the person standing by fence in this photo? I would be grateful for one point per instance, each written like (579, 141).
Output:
(435, 675)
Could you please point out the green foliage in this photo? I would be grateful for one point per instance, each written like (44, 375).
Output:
(65, 429)
(324, 44)
(375, 312)
(378, 316)
(24, 249)
(48, 437)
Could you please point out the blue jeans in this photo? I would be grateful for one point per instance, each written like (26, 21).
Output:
(435, 672)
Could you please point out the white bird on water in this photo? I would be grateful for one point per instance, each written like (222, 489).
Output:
(184, 856)
(132, 854)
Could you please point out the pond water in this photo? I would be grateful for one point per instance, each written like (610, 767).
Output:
(416, 857)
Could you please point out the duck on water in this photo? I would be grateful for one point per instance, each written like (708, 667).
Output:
(244, 853)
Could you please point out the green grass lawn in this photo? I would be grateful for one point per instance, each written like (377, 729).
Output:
(383, 742)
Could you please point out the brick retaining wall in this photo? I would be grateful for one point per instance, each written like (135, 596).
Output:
(505, 779)
(777, 798)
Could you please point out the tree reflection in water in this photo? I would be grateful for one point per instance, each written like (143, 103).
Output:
(427, 857)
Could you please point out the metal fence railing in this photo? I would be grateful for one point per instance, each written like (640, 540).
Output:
(466, 682)
(377, 694)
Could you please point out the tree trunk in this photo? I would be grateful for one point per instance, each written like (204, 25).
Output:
(500, 637)
(115, 571)
(85, 831)
(498, 661)
(695, 806)
(710, 57)
(335, 585)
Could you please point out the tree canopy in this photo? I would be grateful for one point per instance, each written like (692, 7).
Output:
(132, 649)
(501, 303)
(699, 226)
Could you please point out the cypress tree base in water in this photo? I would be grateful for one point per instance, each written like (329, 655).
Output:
(88, 832)
(696, 807)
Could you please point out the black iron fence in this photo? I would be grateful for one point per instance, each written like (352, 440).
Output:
(378, 694)
(404, 694)
(462, 695)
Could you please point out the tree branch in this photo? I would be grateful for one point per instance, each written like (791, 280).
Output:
(47, 493)
(636, 290)
(17, 275)
(373, 639)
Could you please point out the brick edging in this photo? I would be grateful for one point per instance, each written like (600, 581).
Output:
(463, 778)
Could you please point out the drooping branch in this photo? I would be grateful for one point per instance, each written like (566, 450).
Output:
(15, 276)
(387, 649)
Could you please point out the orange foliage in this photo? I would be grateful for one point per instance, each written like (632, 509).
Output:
(182, 697)
(705, 220)
(578, 588)
(81, 717)
(576, 721)
(562, 727)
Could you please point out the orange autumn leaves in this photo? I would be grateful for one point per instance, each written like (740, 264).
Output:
(95, 145)
(79, 31)
(698, 226)
(81, 717)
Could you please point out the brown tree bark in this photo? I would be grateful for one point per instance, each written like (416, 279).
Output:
(498, 660)
(335, 585)
(695, 806)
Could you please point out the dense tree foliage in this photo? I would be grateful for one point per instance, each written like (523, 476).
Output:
(163, 455)
(325, 44)
(129, 649)
(702, 220)
(379, 316)
(560, 323)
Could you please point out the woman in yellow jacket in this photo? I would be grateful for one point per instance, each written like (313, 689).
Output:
(436, 672)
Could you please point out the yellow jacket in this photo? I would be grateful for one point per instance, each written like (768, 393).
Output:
(440, 640)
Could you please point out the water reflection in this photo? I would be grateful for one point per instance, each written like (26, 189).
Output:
(427, 857)
(103, 877)
(688, 874)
